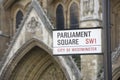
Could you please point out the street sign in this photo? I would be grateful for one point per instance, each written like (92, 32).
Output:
(78, 41)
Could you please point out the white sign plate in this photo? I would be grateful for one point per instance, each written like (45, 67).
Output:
(80, 41)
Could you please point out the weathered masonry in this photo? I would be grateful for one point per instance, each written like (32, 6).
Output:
(26, 39)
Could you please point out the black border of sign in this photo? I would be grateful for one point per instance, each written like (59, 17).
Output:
(79, 28)
(79, 53)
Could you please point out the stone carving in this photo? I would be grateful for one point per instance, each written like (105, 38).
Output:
(33, 25)
(53, 73)
(88, 6)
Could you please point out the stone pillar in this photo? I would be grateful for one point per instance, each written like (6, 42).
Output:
(91, 16)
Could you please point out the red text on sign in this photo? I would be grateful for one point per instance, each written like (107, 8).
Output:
(90, 41)
(61, 50)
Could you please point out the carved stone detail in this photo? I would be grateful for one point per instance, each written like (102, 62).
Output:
(33, 25)
(53, 73)
(88, 6)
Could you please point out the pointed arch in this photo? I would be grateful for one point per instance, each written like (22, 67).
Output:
(37, 45)
(24, 54)
(74, 16)
(60, 17)
(19, 17)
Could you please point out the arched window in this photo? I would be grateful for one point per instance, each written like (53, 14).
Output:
(74, 16)
(59, 17)
(19, 17)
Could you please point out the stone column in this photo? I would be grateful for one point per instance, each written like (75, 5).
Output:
(91, 16)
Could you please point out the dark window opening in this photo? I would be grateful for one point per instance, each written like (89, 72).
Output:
(59, 18)
(74, 16)
(19, 17)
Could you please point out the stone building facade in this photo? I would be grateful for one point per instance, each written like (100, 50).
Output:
(26, 39)
(115, 30)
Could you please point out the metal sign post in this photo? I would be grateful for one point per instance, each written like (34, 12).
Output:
(107, 40)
